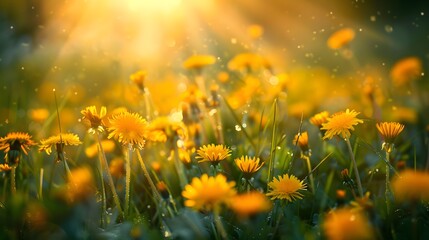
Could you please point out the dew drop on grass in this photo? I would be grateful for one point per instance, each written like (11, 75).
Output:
(237, 128)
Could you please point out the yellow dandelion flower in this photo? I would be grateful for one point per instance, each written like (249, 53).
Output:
(208, 193)
(341, 38)
(302, 140)
(243, 95)
(223, 77)
(341, 124)
(286, 187)
(411, 186)
(185, 155)
(117, 167)
(92, 150)
(319, 119)
(198, 61)
(93, 119)
(139, 78)
(14, 143)
(162, 128)
(255, 31)
(345, 223)
(389, 130)
(248, 165)
(248, 61)
(406, 70)
(156, 166)
(250, 204)
(64, 139)
(80, 184)
(128, 128)
(5, 167)
(213, 153)
(192, 94)
(38, 114)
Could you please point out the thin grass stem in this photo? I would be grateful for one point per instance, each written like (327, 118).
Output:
(352, 156)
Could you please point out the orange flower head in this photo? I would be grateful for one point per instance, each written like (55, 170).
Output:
(319, 119)
(138, 79)
(340, 124)
(346, 223)
(128, 128)
(248, 165)
(389, 131)
(286, 187)
(209, 193)
(198, 61)
(213, 153)
(406, 70)
(411, 186)
(341, 38)
(93, 119)
(302, 140)
(250, 204)
(15, 143)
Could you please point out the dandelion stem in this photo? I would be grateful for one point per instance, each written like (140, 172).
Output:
(149, 179)
(13, 180)
(238, 121)
(127, 178)
(147, 107)
(66, 168)
(218, 127)
(103, 192)
(387, 191)
(310, 172)
(201, 83)
(179, 168)
(352, 156)
(104, 164)
(273, 145)
(41, 184)
(219, 225)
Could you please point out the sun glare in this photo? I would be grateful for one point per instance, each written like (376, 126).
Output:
(155, 6)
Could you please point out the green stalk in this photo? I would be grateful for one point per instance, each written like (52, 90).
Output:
(41, 184)
(13, 180)
(66, 168)
(310, 173)
(238, 122)
(218, 127)
(104, 164)
(179, 168)
(219, 225)
(387, 191)
(273, 145)
(352, 156)
(147, 104)
(128, 151)
(149, 179)
(103, 193)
